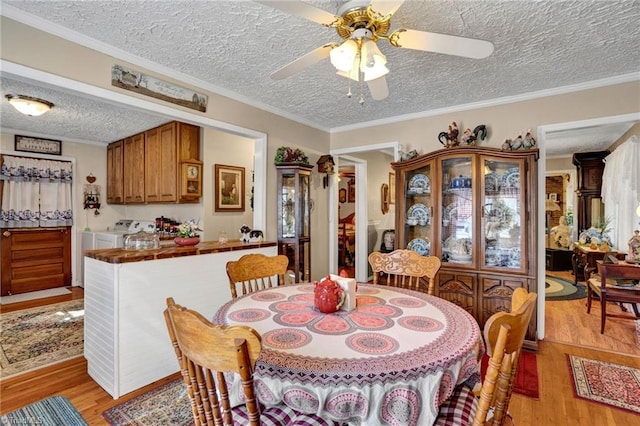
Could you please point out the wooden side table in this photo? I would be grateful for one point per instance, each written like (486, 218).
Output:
(585, 257)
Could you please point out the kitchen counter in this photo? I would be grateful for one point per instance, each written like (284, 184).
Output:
(125, 291)
(120, 255)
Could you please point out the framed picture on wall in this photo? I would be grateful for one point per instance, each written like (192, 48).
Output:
(229, 187)
(392, 188)
(351, 188)
(342, 195)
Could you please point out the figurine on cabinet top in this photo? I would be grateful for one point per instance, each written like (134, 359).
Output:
(520, 142)
(470, 137)
(450, 138)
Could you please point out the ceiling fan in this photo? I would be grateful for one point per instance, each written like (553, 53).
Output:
(361, 23)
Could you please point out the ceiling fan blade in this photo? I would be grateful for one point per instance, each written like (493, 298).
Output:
(378, 88)
(441, 43)
(386, 7)
(316, 55)
(304, 10)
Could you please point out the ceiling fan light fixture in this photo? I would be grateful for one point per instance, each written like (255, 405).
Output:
(377, 71)
(372, 55)
(29, 105)
(342, 57)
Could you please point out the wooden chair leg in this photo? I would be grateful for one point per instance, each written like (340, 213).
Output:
(589, 296)
(635, 309)
(603, 315)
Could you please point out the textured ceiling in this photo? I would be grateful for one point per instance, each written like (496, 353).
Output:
(232, 47)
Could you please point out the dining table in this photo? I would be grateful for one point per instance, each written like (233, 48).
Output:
(390, 361)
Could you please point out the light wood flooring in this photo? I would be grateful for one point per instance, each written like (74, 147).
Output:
(567, 322)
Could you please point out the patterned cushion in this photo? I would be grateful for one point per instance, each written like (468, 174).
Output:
(278, 415)
(303, 419)
(459, 409)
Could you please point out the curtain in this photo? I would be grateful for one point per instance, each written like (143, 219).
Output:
(621, 191)
(36, 193)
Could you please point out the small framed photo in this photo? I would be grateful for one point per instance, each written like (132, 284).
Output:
(342, 195)
(553, 196)
(229, 187)
(352, 191)
(38, 145)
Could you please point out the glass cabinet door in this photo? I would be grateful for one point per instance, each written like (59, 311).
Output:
(457, 211)
(502, 216)
(418, 205)
(288, 219)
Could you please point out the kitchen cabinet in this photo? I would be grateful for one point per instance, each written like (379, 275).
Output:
(294, 217)
(115, 169)
(133, 171)
(152, 166)
(474, 208)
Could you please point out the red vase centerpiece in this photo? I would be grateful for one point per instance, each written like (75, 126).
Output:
(328, 296)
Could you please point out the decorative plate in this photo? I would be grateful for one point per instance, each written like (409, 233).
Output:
(422, 246)
(420, 212)
(419, 184)
(511, 178)
(492, 182)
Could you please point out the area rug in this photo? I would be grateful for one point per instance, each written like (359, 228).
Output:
(561, 289)
(52, 411)
(637, 322)
(35, 337)
(526, 382)
(33, 295)
(605, 383)
(166, 405)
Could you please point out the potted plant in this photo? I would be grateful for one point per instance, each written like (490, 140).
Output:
(286, 154)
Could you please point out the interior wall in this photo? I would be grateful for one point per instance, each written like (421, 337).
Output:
(229, 150)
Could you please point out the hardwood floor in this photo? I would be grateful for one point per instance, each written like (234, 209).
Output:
(566, 321)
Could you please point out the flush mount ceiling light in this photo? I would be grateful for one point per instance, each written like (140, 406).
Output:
(361, 23)
(29, 105)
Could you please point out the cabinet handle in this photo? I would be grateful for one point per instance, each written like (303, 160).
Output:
(6, 234)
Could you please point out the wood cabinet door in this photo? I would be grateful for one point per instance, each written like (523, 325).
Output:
(459, 288)
(35, 259)
(115, 182)
(134, 169)
(161, 165)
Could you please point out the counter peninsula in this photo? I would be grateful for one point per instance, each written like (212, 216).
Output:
(126, 343)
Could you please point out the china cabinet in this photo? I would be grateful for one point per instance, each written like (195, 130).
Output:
(294, 217)
(474, 208)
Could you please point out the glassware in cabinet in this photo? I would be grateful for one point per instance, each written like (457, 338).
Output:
(417, 208)
(457, 210)
(502, 215)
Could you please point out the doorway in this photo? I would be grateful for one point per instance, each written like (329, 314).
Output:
(362, 237)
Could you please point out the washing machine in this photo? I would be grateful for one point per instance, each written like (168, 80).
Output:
(113, 238)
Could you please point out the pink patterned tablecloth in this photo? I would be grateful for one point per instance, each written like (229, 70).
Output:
(391, 361)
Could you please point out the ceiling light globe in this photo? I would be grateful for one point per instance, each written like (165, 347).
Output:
(377, 71)
(342, 56)
(372, 54)
(29, 105)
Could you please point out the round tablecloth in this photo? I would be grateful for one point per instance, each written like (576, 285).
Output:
(392, 360)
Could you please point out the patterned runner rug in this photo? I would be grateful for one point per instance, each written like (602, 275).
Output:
(53, 411)
(167, 404)
(526, 382)
(35, 337)
(610, 384)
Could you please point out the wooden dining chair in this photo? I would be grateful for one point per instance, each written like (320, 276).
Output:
(206, 351)
(253, 272)
(606, 288)
(504, 336)
(404, 268)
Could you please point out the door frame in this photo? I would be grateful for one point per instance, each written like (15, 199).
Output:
(361, 216)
